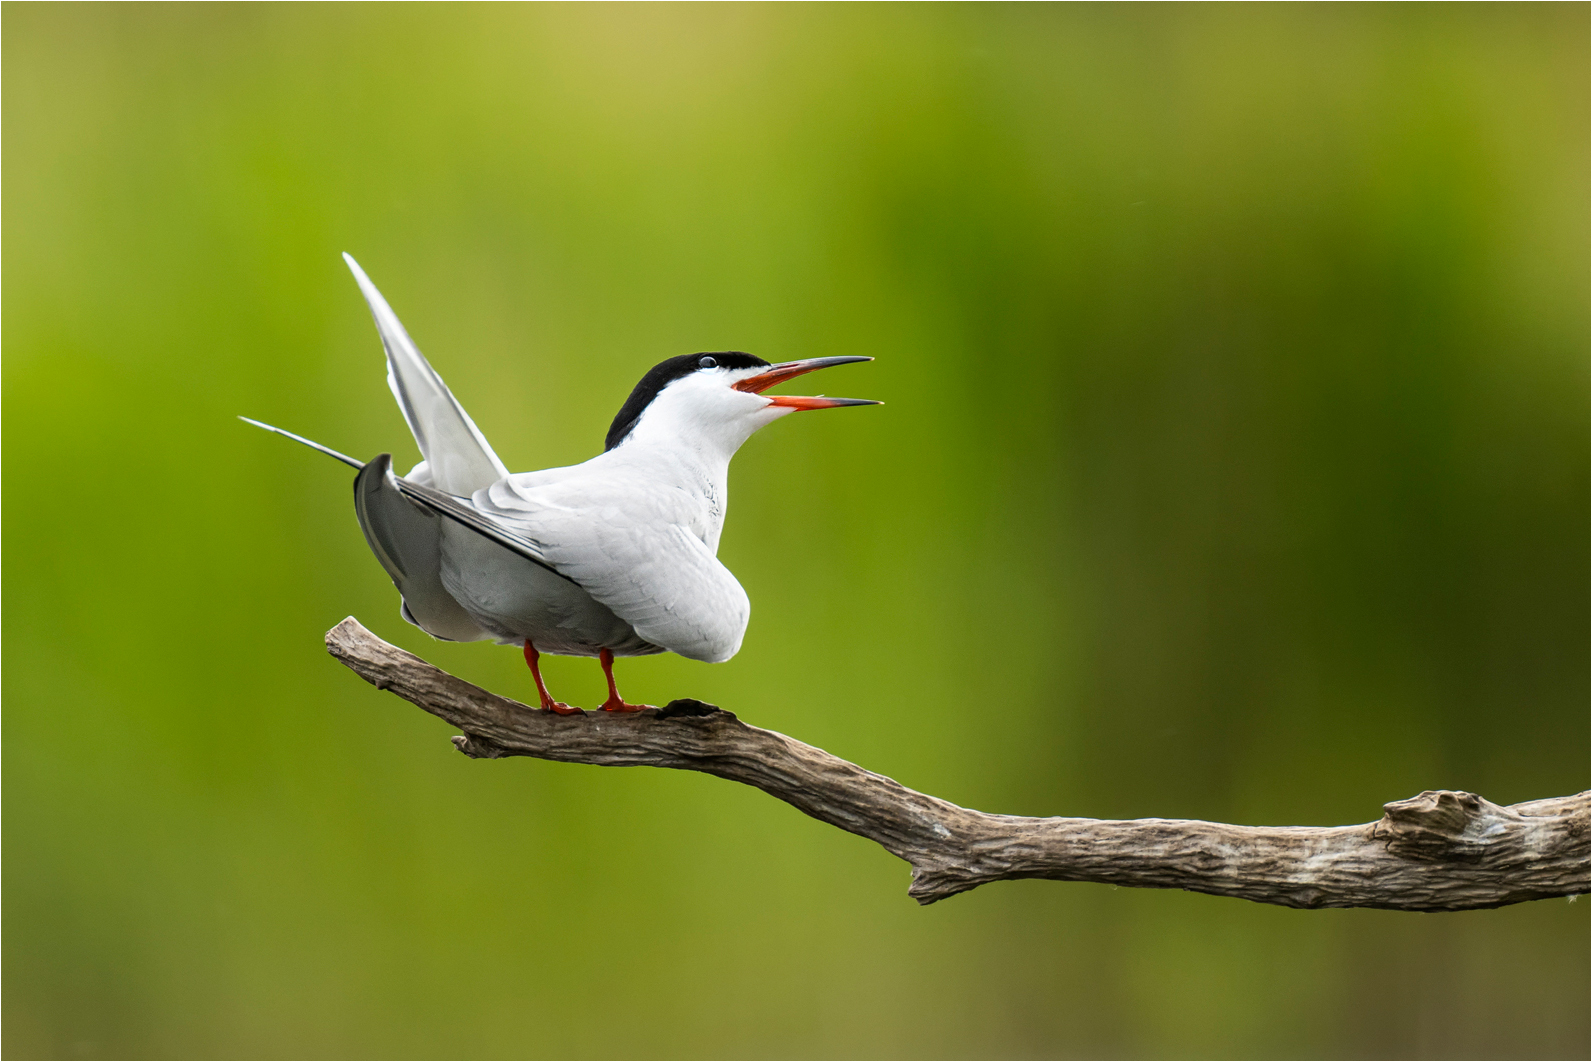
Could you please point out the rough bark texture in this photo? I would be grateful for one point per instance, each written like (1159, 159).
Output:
(1440, 851)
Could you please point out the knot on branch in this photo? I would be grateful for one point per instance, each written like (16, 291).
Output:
(478, 748)
(687, 707)
(1443, 824)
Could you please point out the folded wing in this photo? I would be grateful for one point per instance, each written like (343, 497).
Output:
(631, 547)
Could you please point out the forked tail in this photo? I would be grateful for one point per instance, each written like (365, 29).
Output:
(311, 443)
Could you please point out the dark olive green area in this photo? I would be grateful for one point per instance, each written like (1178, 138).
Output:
(1233, 465)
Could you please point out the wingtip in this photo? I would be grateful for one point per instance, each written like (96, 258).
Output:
(373, 296)
(354, 268)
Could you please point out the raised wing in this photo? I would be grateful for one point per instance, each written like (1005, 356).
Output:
(460, 459)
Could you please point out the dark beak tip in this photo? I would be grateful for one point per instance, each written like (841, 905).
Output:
(811, 364)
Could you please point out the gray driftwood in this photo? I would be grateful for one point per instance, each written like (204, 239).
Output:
(1440, 851)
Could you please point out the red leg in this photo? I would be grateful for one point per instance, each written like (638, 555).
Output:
(548, 704)
(615, 703)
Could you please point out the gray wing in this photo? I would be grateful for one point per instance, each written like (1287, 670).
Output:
(407, 540)
(458, 455)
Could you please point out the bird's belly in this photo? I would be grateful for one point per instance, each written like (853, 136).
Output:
(515, 599)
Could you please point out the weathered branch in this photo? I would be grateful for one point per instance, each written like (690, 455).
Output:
(1440, 851)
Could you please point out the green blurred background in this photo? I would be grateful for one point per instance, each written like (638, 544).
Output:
(1233, 466)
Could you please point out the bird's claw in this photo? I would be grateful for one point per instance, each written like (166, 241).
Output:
(560, 708)
(614, 704)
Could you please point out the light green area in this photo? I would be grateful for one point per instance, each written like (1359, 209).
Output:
(1233, 466)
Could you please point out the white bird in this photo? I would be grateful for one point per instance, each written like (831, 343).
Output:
(616, 556)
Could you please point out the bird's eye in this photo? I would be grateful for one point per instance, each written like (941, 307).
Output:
(706, 362)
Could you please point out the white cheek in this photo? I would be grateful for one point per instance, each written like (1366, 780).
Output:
(754, 407)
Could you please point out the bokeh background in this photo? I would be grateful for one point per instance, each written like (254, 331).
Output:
(1233, 466)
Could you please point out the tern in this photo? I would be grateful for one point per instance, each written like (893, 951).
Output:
(616, 556)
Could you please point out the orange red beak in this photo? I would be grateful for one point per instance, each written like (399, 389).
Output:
(789, 370)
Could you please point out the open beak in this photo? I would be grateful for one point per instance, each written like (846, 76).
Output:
(789, 370)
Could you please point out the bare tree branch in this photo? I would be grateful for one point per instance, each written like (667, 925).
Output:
(1440, 851)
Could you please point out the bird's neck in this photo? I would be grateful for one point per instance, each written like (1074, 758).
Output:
(700, 473)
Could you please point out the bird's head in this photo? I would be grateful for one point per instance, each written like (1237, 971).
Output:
(715, 400)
